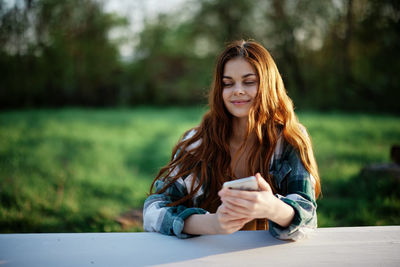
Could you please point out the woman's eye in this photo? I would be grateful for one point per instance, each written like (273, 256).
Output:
(227, 84)
(249, 82)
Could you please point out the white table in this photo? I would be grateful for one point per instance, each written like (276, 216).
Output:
(349, 246)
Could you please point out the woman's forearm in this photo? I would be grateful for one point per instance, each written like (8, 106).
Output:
(200, 224)
(206, 224)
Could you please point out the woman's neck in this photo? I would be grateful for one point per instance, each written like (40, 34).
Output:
(239, 132)
(239, 150)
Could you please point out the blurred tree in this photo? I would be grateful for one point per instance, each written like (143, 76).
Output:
(360, 57)
(295, 30)
(58, 53)
(375, 55)
(167, 70)
(284, 30)
(224, 21)
(332, 54)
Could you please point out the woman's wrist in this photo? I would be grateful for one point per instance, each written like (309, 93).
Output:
(200, 224)
(281, 212)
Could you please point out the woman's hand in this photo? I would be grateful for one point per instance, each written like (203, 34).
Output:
(227, 222)
(256, 204)
(251, 204)
(221, 222)
(238, 208)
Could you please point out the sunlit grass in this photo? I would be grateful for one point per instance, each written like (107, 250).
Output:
(75, 170)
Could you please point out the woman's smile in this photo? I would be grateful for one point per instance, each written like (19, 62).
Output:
(240, 103)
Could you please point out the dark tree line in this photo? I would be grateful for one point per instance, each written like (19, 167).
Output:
(331, 54)
(56, 53)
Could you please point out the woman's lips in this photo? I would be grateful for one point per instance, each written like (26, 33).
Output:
(240, 102)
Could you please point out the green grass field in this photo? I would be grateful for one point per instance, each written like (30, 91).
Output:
(76, 170)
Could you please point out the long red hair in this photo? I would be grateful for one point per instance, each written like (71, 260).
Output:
(272, 114)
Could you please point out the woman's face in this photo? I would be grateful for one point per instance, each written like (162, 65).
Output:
(240, 86)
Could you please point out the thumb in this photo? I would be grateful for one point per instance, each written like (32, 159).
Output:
(262, 184)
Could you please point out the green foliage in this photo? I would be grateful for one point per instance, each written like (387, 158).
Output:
(75, 170)
(358, 59)
(59, 54)
(324, 50)
(343, 145)
(167, 71)
(333, 55)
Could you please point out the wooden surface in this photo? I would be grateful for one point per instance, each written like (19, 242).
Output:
(350, 246)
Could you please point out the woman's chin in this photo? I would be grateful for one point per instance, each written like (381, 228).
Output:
(240, 115)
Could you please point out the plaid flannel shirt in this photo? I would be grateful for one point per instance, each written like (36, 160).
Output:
(293, 182)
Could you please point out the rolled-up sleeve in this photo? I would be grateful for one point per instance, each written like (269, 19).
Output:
(297, 189)
(169, 220)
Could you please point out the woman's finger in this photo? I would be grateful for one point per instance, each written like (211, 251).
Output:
(262, 184)
(242, 194)
(238, 202)
(233, 212)
(238, 211)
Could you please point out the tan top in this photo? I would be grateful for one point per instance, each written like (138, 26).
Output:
(256, 224)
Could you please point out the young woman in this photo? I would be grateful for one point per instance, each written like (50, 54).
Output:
(250, 129)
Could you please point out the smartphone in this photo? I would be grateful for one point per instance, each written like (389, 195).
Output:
(248, 183)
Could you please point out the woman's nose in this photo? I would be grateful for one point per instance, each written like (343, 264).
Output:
(238, 90)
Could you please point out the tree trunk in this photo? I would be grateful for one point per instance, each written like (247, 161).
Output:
(286, 30)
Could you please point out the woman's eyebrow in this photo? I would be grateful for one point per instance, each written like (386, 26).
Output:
(248, 74)
(244, 76)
